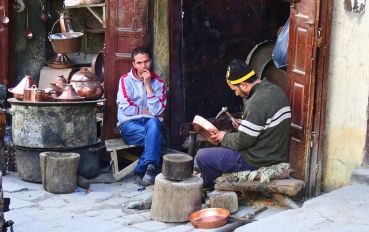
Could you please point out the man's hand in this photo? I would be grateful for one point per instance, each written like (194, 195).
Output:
(146, 76)
(237, 124)
(217, 136)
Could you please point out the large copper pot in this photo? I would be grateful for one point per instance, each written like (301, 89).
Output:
(65, 42)
(86, 84)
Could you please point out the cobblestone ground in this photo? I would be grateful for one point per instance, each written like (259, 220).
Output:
(103, 209)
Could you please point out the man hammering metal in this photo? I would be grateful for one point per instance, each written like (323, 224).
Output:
(262, 136)
(225, 111)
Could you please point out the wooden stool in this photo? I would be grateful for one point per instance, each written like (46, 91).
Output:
(113, 146)
(174, 201)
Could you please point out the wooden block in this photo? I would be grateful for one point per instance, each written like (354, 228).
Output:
(177, 166)
(223, 199)
(289, 187)
(174, 201)
(59, 171)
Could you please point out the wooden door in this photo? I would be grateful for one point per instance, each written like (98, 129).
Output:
(301, 83)
(126, 28)
(4, 43)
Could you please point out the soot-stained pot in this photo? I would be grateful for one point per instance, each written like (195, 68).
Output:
(86, 84)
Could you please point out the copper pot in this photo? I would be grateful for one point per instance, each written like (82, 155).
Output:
(69, 94)
(60, 80)
(59, 84)
(29, 94)
(86, 85)
(57, 88)
(209, 218)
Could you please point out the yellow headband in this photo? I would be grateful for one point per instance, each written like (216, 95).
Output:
(242, 79)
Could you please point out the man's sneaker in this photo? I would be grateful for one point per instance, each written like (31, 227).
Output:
(137, 179)
(149, 177)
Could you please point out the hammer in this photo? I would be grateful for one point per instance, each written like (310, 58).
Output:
(225, 110)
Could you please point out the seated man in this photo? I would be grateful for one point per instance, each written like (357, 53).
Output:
(141, 102)
(262, 136)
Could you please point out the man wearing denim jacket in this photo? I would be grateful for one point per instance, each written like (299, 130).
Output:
(141, 102)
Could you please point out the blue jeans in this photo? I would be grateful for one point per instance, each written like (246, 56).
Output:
(145, 132)
(215, 161)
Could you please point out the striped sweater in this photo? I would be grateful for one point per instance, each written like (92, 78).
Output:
(132, 98)
(263, 136)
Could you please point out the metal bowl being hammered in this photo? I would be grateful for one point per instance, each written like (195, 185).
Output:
(209, 218)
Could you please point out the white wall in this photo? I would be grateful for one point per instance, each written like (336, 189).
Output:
(347, 96)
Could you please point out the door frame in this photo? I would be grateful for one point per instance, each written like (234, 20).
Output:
(176, 83)
(313, 187)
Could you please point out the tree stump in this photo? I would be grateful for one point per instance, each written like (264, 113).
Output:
(59, 171)
(174, 201)
(177, 166)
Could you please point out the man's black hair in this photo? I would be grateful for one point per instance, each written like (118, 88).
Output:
(140, 50)
(252, 79)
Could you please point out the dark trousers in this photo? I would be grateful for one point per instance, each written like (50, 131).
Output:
(215, 161)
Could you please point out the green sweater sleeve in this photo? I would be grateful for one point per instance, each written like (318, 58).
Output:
(238, 140)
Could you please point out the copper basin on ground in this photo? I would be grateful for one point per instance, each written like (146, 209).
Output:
(209, 218)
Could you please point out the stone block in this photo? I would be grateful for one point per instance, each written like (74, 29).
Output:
(360, 175)
(223, 199)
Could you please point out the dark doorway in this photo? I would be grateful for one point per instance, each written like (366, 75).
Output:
(214, 33)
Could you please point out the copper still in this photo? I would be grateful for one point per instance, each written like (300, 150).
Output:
(86, 84)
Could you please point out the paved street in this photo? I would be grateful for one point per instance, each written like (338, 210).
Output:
(103, 209)
(343, 210)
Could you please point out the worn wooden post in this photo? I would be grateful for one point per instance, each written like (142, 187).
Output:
(177, 166)
(174, 201)
(59, 171)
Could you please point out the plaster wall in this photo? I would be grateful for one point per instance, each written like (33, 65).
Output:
(161, 39)
(347, 96)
